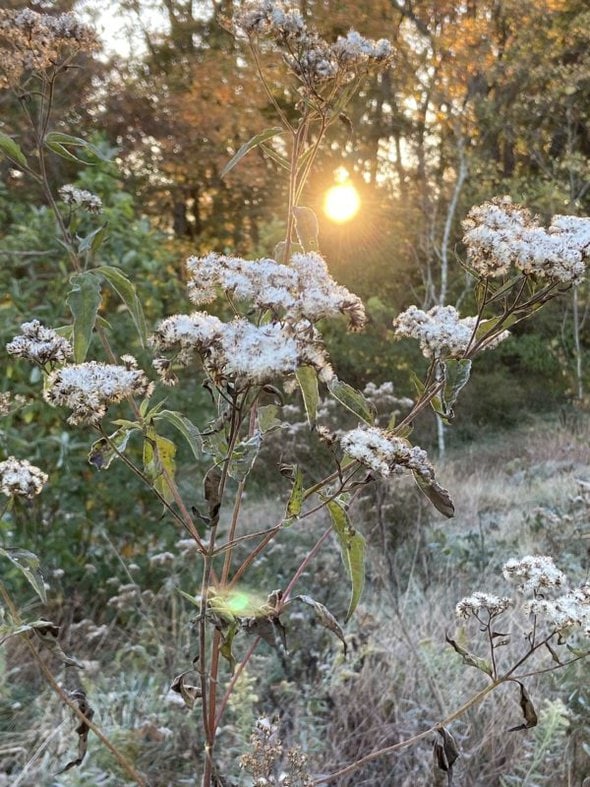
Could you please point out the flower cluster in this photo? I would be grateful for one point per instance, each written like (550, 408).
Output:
(567, 611)
(40, 344)
(303, 289)
(440, 331)
(384, 453)
(10, 403)
(534, 573)
(312, 59)
(30, 41)
(89, 388)
(472, 605)
(80, 198)
(239, 350)
(18, 477)
(500, 234)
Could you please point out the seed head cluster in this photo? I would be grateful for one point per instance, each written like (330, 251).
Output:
(88, 389)
(80, 198)
(40, 345)
(30, 41)
(19, 478)
(384, 453)
(500, 235)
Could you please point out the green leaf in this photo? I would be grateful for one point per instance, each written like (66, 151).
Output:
(158, 456)
(352, 548)
(247, 147)
(186, 428)
(93, 241)
(296, 499)
(456, 375)
(59, 150)
(324, 617)
(12, 150)
(307, 228)
(128, 294)
(438, 495)
(243, 457)
(266, 416)
(352, 399)
(28, 564)
(57, 139)
(13, 630)
(102, 452)
(308, 383)
(83, 299)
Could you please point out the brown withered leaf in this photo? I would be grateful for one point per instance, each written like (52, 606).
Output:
(82, 730)
(528, 711)
(211, 488)
(190, 694)
(324, 618)
(446, 751)
(48, 636)
(469, 658)
(269, 628)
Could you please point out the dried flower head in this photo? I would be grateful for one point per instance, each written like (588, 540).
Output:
(440, 331)
(40, 344)
(472, 605)
(89, 388)
(534, 573)
(30, 41)
(10, 403)
(19, 478)
(80, 198)
(384, 453)
(500, 234)
(567, 612)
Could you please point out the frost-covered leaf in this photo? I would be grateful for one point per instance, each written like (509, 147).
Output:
(28, 564)
(438, 495)
(324, 617)
(103, 451)
(308, 383)
(352, 399)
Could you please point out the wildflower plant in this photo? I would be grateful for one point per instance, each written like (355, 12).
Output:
(270, 349)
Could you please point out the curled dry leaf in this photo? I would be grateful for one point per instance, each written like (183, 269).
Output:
(189, 693)
(528, 711)
(324, 617)
(82, 730)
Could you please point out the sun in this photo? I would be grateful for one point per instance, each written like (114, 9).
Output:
(342, 203)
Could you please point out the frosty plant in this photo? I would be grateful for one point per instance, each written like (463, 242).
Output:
(270, 347)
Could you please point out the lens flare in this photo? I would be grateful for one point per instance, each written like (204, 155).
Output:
(342, 203)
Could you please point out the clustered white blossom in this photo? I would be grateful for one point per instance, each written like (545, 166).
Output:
(81, 198)
(89, 388)
(500, 234)
(440, 331)
(30, 41)
(40, 344)
(239, 350)
(567, 611)
(385, 453)
(534, 573)
(18, 477)
(302, 289)
(472, 605)
(312, 59)
(9, 403)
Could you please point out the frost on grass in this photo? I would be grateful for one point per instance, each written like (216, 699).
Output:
(40, 344)
(88, 389)
(19, 478)
(500, 235)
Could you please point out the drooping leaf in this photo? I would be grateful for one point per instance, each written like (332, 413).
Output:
(127, 291)
(256, 140)
(446, 751)
(296, 499)
(186, 428)
(158, 461)
(82, 729)
(8, 630)
(102, 451)
(324, 617)
(269, 628)
(307, 228)
(352, 549)
(352, 399)
(266, 415)
(12, 149)
(48, 635)
(211, 489)
(189, 693)
(528, 710)
(438, 495)
(83, 299)
(308, 383)
(456, 376)
(28, 564)
(469, 658)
